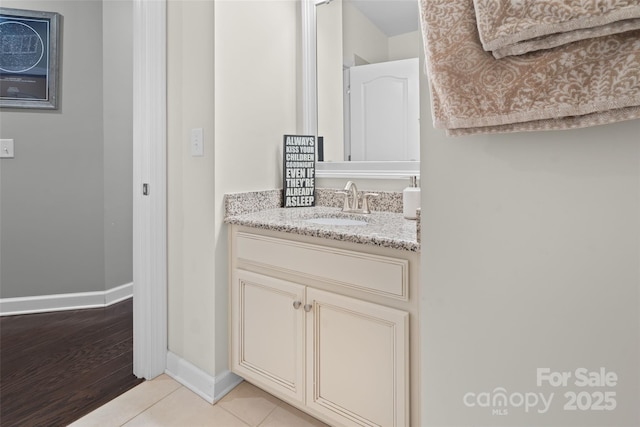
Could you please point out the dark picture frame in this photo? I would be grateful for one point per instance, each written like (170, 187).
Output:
(29, 58)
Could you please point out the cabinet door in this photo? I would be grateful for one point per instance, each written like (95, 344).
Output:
(357, 361)
(267, 322)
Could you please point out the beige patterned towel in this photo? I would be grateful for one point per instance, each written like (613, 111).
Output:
(585, 83)
(514, 27)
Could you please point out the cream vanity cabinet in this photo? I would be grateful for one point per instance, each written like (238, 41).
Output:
(324, 325)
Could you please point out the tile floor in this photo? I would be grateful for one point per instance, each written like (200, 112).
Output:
(165, 402)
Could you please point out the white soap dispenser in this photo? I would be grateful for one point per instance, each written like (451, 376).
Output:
(411, 199)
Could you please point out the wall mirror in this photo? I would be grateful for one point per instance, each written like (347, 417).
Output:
(361, 93)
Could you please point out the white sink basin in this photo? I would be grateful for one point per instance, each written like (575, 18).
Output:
(336, 221)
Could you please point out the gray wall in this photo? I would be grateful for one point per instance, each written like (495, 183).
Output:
(531, 259)
(65, 199)
(118, 141)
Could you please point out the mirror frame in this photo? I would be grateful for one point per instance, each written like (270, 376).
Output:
(369, 170)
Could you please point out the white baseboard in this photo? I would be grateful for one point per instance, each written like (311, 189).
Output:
(61, 302)
(204, 385)
(118, 294)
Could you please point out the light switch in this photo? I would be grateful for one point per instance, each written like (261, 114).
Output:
(6, 149)
(197, 142)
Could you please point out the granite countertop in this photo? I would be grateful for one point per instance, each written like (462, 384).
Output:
(387, 229)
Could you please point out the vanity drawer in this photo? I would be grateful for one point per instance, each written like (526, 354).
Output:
(380, 275)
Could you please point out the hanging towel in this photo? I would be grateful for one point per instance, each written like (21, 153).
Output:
(514, 27)
(584, 83)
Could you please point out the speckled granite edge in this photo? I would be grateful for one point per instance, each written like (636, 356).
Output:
(386, 229)
(237, 204)
(252, 201)
(386, 201)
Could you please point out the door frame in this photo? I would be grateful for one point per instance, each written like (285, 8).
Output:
(150, 168)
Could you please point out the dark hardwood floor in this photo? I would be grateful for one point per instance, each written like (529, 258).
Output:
(57, 367)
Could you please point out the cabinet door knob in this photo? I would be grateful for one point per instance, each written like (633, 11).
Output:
(307, 307)
(297, 304)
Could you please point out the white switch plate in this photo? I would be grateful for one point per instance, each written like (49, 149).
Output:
(197, 142)
(6, 149)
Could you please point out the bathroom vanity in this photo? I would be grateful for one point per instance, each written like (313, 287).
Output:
(324, 312)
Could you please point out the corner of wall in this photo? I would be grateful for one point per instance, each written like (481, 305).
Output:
(210, 388)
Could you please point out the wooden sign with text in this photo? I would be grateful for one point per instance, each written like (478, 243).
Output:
(299, 171)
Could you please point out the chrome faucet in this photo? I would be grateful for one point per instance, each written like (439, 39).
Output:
(351, 187)
(351, 192)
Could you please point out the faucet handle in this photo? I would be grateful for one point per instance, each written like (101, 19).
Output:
(345, 206)
(365, 201)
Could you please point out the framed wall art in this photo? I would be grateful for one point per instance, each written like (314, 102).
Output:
(299, 172)
(28, 58)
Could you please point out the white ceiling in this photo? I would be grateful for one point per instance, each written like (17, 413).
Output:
(393, 17)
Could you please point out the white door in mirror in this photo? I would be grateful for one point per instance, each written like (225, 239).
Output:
(385, 111)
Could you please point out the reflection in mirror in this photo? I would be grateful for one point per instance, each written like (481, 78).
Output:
(368, 98)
